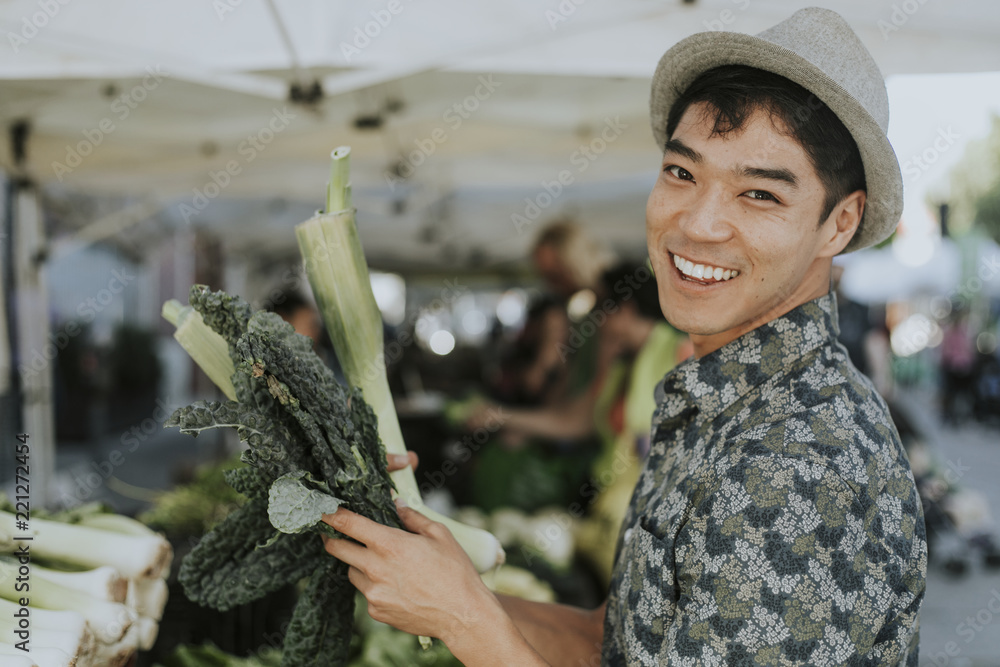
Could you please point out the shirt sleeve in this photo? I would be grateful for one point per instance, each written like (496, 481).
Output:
(782, 563)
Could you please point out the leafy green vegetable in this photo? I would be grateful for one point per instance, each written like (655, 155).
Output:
(294, 507)
(313, 445)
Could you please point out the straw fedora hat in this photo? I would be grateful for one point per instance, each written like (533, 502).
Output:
(816, 49)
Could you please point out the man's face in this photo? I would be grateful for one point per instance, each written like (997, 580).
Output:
(744, 206)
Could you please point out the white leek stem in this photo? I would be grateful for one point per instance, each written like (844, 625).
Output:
(41, 657)
(147, 629)
(107, 620)
(134, 557)
(148, 597)
(103, 582)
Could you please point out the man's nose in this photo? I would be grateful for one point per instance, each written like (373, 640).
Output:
(708, 218)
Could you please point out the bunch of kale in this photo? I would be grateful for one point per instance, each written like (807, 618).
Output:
(313, 445)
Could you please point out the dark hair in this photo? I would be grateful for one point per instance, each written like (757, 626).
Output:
(286, 303)
(737, 91)
(633, 283)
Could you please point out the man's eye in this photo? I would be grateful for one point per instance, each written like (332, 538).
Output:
(680, 172)
(762, 195)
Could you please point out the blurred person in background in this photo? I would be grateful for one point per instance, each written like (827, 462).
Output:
(617, 406)
(958, 358)
(569, 262)
(295, 309)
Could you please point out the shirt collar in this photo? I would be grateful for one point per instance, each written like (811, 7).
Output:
(716, 381)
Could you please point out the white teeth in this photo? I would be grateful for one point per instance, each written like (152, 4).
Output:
(703, 271)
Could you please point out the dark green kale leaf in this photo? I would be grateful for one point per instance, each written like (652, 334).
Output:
(341, 430)
(270, 442)
(245, 558)
(319, 633)
(249, 481)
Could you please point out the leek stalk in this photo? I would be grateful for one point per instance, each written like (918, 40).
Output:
(338, 273)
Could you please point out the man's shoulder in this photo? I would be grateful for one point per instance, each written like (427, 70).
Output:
(826, 413)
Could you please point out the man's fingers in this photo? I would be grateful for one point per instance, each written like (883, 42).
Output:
(413, 521)
(351, 553)
(359, 579)
(400, 461)
(354, 525)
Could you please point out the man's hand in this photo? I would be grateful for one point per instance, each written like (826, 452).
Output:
(419, 581)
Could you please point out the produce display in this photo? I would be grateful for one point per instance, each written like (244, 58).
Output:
(313, 444)
(92, 593)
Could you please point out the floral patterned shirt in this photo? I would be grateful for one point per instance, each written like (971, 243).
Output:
(775, 521)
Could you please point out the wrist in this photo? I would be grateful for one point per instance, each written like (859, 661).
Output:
(486, 635)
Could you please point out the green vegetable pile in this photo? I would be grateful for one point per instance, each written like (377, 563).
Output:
(313, 446)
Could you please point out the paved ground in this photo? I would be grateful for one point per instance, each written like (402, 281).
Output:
(960, 621)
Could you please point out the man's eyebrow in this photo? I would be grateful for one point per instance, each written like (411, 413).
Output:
(773, 174)
(680, 148)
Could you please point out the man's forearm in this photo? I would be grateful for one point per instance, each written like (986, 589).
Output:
(561, 634)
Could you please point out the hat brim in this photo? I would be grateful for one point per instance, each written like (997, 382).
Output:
(691, 57)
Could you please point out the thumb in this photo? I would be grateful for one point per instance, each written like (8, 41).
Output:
(413, 521)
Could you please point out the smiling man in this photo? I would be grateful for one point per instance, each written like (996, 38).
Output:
(775, 521)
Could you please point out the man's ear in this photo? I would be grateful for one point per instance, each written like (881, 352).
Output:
(845, 218)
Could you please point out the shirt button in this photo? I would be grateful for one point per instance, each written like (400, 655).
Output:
(628, 534)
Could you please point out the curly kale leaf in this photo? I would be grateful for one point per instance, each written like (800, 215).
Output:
(226, 315)
(270, 442)
(341, 429)
(319, 633)
(245, 558)
(248, 480)
(297, 502)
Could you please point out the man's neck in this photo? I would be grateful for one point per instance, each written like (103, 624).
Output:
(808, 290)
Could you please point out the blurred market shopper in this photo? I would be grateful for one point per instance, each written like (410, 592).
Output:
(617, 407)
(775, 520)
(570, 264)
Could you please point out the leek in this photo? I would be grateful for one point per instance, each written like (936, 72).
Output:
(208, 349)
(338, 273)
(109, 621)
(66, 622)
(39, 657)
(135, 557)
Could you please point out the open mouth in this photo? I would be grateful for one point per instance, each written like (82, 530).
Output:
(703, 274)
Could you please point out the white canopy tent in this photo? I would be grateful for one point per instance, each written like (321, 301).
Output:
(463, 116)
(556, 74)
